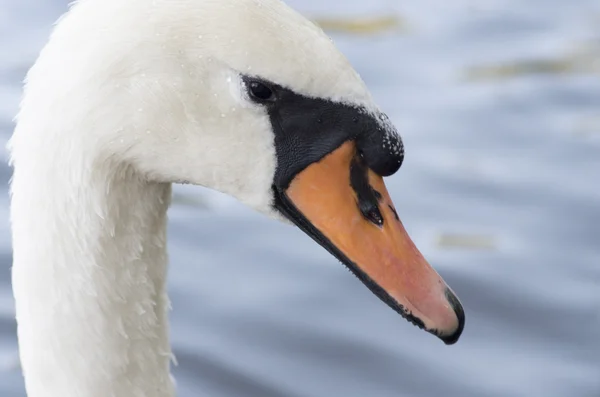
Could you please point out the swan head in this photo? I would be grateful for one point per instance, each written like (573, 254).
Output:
(249, 98)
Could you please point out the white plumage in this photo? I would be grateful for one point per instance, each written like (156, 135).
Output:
(127, 97)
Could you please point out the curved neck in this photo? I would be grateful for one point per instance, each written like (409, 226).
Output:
(89, 280)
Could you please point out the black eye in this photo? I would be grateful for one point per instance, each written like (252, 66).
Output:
(260, 91)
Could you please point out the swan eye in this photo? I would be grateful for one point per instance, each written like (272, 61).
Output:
(260, 92)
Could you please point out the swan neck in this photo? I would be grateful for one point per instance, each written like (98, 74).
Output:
(89, 276)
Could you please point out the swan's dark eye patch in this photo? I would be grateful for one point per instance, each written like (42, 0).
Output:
(306, 129)
(259, 91)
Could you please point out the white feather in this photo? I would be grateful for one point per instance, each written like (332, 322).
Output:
(127, 97)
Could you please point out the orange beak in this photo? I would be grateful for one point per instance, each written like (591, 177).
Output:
(346, 207)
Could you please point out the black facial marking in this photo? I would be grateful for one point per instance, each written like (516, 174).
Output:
(383, 151)
(307, 129)
(395, 213)
(377, 194)
(365, 195)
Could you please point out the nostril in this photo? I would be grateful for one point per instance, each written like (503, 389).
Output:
(367, 199)
(371, 212)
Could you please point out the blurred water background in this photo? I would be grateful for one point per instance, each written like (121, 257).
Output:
(498, 102)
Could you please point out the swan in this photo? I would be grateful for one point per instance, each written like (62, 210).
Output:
(246, 97)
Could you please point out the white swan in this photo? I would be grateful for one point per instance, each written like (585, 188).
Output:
(243, 96)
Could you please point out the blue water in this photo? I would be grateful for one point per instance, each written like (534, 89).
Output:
(260, 310)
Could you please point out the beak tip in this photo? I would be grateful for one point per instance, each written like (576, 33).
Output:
(452, 338)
